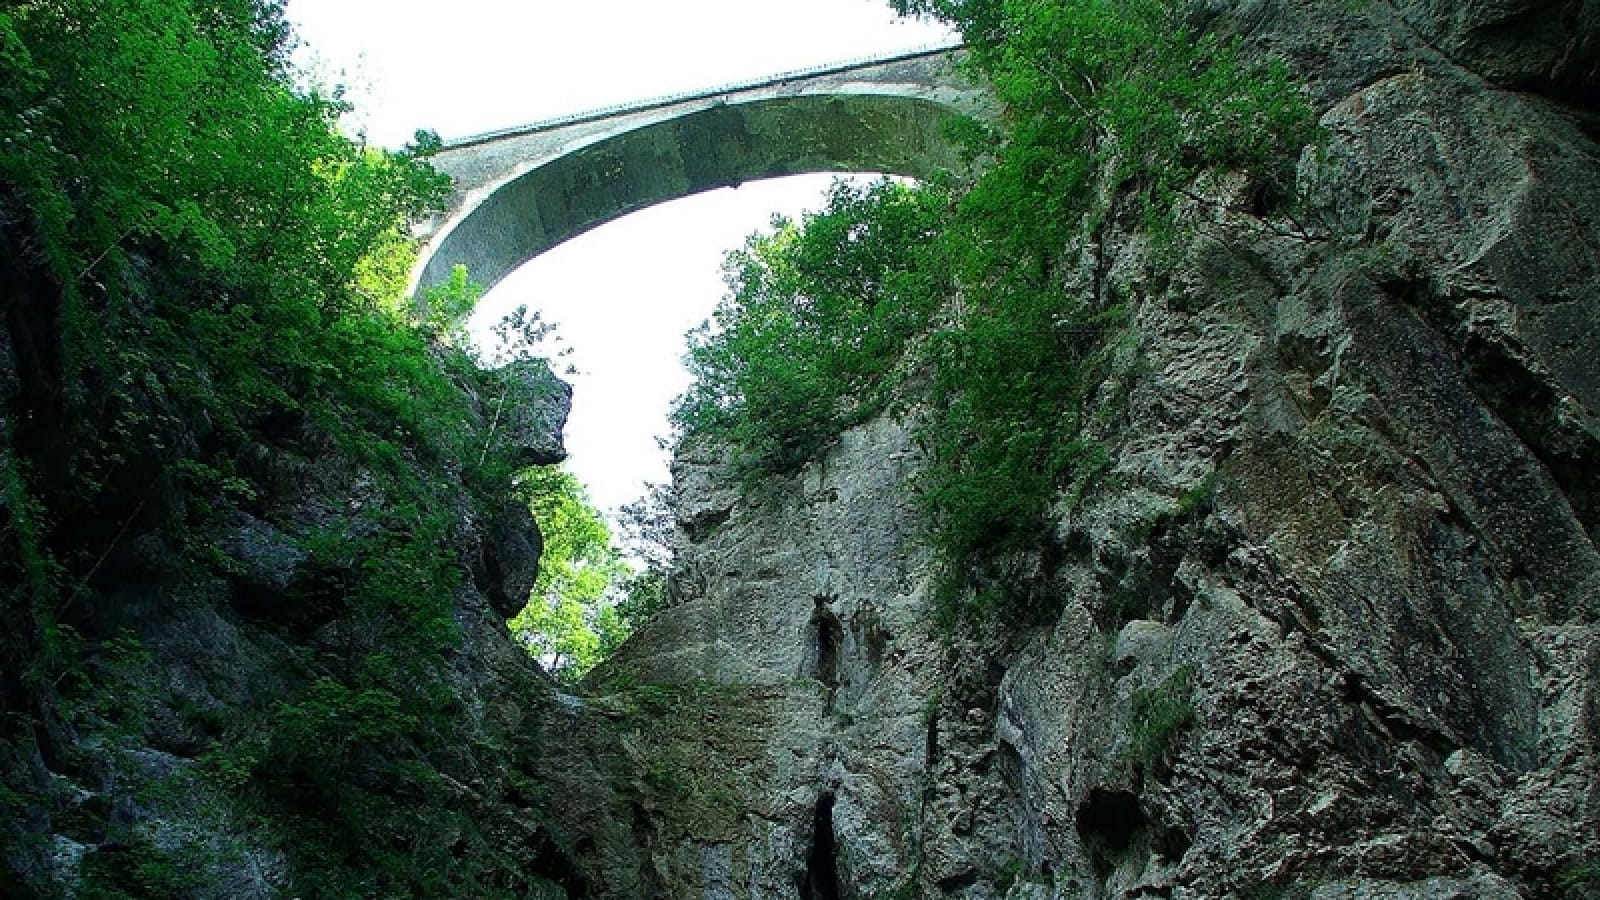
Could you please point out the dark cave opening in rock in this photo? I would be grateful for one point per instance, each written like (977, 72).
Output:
(821, 880)
(1107, 822)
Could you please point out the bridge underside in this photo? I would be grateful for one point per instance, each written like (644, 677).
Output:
(717, 147)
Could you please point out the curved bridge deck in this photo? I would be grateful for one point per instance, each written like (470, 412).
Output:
(523, 190)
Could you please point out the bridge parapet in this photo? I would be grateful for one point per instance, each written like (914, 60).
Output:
(944, 52)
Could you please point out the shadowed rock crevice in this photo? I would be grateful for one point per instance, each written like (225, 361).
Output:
(827, 640)
(1512, 380)
(1108, 822)
(821, 878)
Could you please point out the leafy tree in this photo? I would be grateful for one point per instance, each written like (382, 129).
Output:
(816, 314)
(571, 621)
(522, 334)
(648, 527)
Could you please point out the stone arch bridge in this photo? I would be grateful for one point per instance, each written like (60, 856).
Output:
(521, 191)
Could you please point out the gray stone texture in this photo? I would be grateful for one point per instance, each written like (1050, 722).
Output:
(527, 406)
(1351, 505)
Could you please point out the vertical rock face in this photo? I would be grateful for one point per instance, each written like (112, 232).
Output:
(1327, 624)
(778, 694)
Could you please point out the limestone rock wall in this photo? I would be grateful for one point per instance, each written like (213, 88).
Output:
(1327, 623)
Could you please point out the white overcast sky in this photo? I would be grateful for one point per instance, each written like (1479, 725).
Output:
(624, 294)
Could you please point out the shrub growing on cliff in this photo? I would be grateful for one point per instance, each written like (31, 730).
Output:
(1112, 101)
(1112, 109)
(1159, 716)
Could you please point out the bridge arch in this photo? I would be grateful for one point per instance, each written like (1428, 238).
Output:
(522, 192)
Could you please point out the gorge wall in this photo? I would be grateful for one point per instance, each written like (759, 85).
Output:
(1324, 626)
(1327, 620)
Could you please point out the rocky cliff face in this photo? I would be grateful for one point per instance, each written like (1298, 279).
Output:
(208, 727)
(1327, 621)
(1325, 626)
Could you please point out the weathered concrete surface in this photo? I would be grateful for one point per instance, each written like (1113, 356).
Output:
(523, 191)
(1349, 525)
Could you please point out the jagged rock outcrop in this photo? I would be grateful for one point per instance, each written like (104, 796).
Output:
(1328, 621)
(529, 406)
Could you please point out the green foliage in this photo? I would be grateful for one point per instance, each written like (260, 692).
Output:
(169, 128)
(1110, 100)
(203, 306)
(816, 315)
(446, 306)
(797, 357)
(348, 770)
(573, 620)
(135, 869)
(1109, 106)
(1006, 432)
(1580, 879)
(1199, 498)
(642, 595)
(1017, 871)
(647, 528)
(22, 514)
(174, 119)
(315, 737)
(1160, 715)
(1113, 110)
